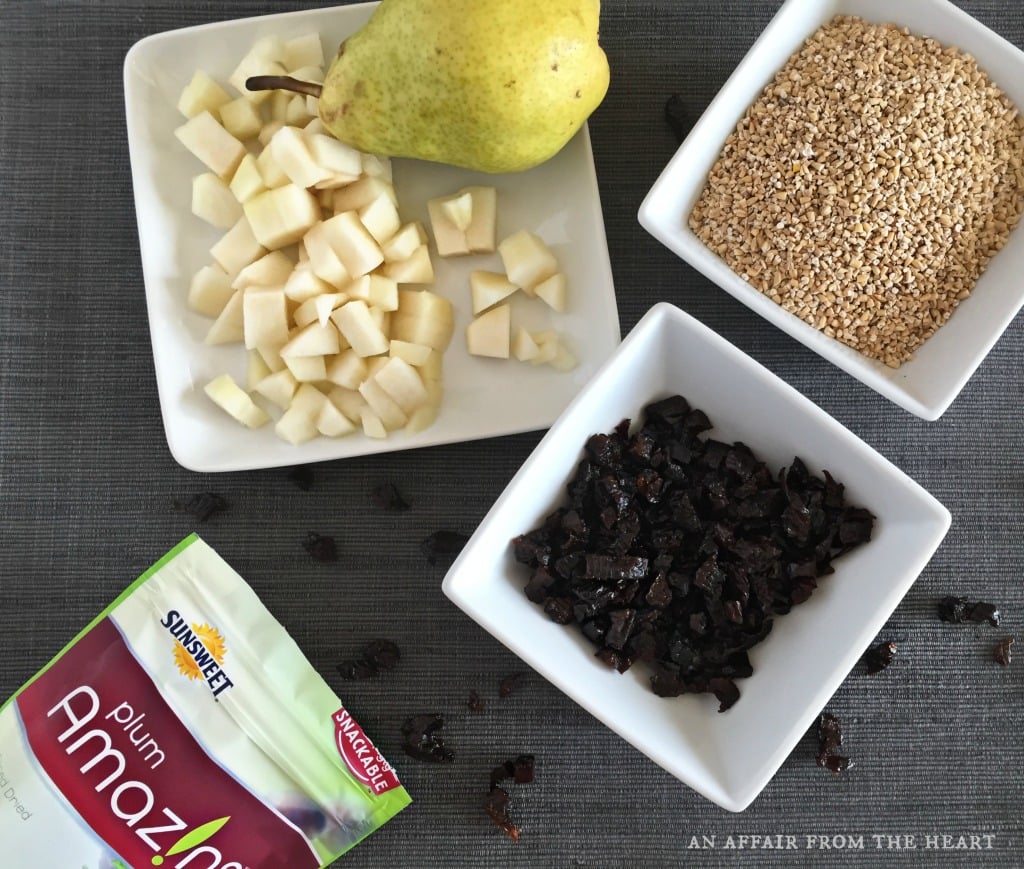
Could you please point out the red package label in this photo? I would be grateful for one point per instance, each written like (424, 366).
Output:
(361, 756)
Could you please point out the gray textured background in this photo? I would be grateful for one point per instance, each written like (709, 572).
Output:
(87, 491)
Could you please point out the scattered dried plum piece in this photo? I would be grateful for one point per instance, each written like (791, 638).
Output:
(475, 703)
(321, 546)
(421, 741)
(880, 656)
(442, 544)
(509, 684)
(302, 476)
(680, 551)
(520, 770)
(387, 496)
(203, 505)
(376, 656)
(678, 117)
(496, 806)
(958, 610)
(830, 737)
(1001, 652)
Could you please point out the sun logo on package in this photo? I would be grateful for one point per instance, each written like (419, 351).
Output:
(212, 642)
(199, 651)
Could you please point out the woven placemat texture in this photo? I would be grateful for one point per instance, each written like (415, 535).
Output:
(88, 492)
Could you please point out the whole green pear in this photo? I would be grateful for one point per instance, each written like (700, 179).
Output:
(491, 85)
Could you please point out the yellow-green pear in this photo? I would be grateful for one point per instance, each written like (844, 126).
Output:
(491, 85)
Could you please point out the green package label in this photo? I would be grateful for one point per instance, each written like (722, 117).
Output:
(184, 728)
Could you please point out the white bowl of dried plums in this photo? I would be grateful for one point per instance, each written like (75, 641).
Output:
(858, 182)
(697, 555)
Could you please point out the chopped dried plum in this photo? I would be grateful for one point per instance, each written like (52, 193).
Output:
(830, 737)
(321, 546)
(387, 496)
(508, 684)
(421, 741)
(520, 770)
(958, 610)
(680, 550)
(203, 505)
(496, 806)
(376, 655)
(442, 544)
(475, 703)
(1001, 652)
(880, 656)
(302, 476)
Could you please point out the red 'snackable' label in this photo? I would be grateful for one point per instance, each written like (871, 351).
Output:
(97, 725)
(361, 756)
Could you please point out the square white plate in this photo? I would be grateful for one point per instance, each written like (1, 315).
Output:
(728, 757)
(929, 383)
(558, 200)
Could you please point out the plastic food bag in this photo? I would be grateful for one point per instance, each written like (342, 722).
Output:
(184, 728)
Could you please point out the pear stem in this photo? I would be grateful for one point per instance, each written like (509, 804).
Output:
(283, 83)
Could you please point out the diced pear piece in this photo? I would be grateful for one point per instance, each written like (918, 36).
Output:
(332, 423)
(272, 357)
(312, 340)
(229, 325)
(382, 404)
(554, 291)
(297, 425)
(433, 367)
(423, 317)
(403, 244)
(354, 246)
(323, 261)
(256, 370)
(307, 369)
(271, 270)
(376, 290)
(241, 118)
(266, 317)
(417, 269)
(318, 309)
(448, 238)
(547, 347)
(355, 322)
(237, 248)
(373, 427)
(282, 216)
(488, 334)
(414, 354)
(377, 167)
(290, 152)
(268, 132)
(527, 260)
(402, 383)
(302, 285)
(347, 369)
(278, 387)
(459, 210)
(209, 291)
(270, 171)
(305, 50)
(422, 418)
(524, 348)
(247, 180)
(362, 193)
(564, 359)
(348, 401)
(229, 396)
(297, 113)
(264, 58)
(489, 288)
(480, 233)
(211, 143)
(380, 218)
(341, 160)
(202, 94)
(315, 127)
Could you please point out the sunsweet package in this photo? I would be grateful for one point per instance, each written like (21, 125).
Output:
(184, 728)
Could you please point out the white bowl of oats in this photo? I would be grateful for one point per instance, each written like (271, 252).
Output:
(858, 182)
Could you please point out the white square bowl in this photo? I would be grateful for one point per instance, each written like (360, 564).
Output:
(558, 200)
(929, 383)
(728, 757)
